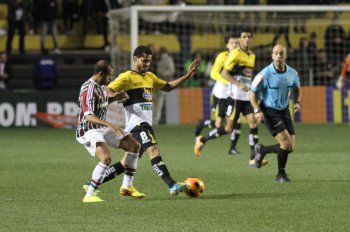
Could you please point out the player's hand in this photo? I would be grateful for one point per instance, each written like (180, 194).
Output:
(122, 96)
(259, 117)
(193, 67)
(117, 130)
(340, 82)
(243, 87)
(297, 107)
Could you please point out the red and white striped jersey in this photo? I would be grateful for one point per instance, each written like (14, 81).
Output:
(93, 100)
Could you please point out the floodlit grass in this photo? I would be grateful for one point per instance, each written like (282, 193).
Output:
(42, 171)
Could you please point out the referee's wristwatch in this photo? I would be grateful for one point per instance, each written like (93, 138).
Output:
(257, 110)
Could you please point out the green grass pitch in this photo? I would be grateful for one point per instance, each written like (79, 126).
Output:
(42, 171)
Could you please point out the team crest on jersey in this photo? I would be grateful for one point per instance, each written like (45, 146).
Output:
(147, 95)
(248, 72)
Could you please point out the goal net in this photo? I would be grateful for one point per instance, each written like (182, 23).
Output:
(317, 37)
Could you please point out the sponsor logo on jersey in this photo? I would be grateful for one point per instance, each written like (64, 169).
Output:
(248, 72)
(146, 106)
(147, 95)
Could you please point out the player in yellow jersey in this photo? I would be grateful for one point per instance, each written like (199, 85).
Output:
(238, 71)
(140, 84)
(219, 95)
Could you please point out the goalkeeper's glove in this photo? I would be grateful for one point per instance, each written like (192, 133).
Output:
(340, 82)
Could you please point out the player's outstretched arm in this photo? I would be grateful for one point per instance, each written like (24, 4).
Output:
(177, 82)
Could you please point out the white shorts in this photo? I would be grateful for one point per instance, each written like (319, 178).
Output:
(104, 135)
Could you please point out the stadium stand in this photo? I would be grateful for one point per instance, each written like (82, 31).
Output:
(74, 68)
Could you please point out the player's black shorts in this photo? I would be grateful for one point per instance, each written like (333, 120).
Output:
(145, 135)
(236, 107)
(221, 108)
(214, 103)
(277, 121)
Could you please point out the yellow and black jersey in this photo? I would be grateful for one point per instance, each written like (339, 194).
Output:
(221, 84)
(138, 108)
(241, 65)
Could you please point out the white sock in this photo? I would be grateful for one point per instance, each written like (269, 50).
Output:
(97, 177)
(130, 169)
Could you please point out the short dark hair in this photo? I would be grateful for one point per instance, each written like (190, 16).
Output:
(244, 29)
(141, 50)
(102, 66)
(230, 35)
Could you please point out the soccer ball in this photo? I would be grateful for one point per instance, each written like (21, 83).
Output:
(195, 187)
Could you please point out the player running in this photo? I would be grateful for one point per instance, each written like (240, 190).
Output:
(219, 94)
(274, 85)
(238, 70)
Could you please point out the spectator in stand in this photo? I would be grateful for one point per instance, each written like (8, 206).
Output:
(232, 17)
(166, 71)
(335, 42)
(198, 79)
(283, 25)
(16, 19)
(182, 25)
(88, 14)
(248, 15)
(153, 65)
(152, 22)
(5, 71)
(70, 14)
(299, 18)
(312, 48)
(102, 7)
(304, 60)
(48, 16)
(323, 74)
(45, 72)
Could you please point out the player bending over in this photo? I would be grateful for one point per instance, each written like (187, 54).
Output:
(95, 133)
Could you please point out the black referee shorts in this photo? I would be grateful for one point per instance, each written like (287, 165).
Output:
(277, 121)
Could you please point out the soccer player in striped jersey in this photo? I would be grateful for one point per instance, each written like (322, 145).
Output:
(95, 133)
(219, 94)
(274, 85)
(140, 84)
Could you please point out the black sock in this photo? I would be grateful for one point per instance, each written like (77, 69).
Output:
(282, 160)
(253, 139)
(113, 171)
(270, 149)
(212, 124)
(213, 134)
(236, 133)
(161, 169)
